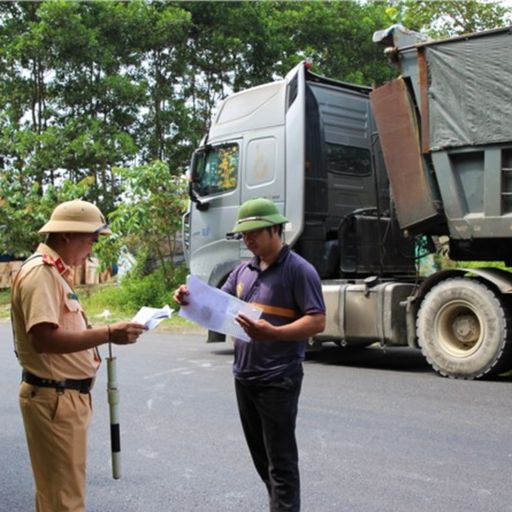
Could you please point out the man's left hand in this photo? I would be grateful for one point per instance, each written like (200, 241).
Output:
(256, 329)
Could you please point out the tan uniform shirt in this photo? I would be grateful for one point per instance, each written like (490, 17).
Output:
(41, 294)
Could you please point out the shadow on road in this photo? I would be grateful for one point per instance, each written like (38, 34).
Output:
(394, 359)
(398, 358)
(228, 351)
(390, 359)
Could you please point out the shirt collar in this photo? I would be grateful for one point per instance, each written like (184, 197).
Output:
(255, 261)
(59, 262)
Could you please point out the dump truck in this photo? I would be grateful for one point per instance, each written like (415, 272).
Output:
(371, 179)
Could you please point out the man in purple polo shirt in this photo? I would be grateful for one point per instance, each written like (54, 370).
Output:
(268, 370)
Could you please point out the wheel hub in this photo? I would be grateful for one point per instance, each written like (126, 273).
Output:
(466, 329)
(459, 328)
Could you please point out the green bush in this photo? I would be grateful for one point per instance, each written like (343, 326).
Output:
(122, 301)
(5, 304)
(137, 290)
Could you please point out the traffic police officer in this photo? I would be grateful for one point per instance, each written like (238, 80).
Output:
(58, 354)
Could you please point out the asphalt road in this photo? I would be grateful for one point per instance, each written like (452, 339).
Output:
(377, 431)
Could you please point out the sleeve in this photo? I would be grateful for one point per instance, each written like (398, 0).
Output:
(40, 296)
(230, 285)
(307, 289)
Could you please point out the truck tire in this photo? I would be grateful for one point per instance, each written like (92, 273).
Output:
(463, 330)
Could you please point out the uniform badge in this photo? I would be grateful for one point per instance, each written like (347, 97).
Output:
(239, 289)
(60, 265)
(48, 260)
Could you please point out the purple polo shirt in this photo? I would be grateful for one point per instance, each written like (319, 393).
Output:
(287, 290)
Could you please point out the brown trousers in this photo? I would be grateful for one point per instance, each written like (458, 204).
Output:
(56, 426)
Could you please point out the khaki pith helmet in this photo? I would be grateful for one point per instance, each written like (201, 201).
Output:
(76, 217)
(257, 213)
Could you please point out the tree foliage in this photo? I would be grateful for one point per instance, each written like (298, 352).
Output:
(23, 210)
(149, 217)
(441, 18)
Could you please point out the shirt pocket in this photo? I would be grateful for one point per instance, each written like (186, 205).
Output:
(72, 317)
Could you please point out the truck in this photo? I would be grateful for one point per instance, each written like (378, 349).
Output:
(371, 179)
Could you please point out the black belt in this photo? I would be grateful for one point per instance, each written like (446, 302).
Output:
(82, 385)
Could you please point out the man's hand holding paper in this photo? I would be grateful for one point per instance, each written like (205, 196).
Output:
(151, 317)
(214, 309)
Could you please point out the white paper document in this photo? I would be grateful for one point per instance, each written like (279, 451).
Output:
(151, 317)
(216, 310)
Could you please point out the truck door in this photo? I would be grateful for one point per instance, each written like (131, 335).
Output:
(274, 155)
(215, 194)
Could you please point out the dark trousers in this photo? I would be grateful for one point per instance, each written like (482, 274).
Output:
(268, 412)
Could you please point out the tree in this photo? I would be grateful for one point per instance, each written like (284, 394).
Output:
(447, 18)
(161, 36)
(335, 36)
(24, 210)
(149, 217)
(72, 105)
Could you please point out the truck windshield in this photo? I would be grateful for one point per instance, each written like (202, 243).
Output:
(215, 170)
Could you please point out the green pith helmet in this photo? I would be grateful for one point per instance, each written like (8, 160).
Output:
(257, 213)
(76, 217)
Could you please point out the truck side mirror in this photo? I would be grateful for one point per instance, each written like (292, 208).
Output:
(202, 207)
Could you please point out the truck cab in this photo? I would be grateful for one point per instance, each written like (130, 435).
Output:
(308, 143)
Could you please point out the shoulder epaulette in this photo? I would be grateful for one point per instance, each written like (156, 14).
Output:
(54, 262)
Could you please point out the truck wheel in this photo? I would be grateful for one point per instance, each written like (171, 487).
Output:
(463, 330)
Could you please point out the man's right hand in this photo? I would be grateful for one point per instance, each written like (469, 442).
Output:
(124, 333)
(180, 295)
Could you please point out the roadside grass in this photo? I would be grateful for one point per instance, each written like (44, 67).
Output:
(103, 303)
(5, 304)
